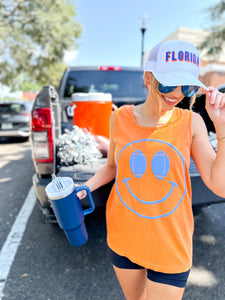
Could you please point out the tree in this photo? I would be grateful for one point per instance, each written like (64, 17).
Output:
(33, 38)
(215, 40)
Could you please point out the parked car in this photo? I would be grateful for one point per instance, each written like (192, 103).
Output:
(14, 118)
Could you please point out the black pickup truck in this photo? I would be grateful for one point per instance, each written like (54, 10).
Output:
(50, 118)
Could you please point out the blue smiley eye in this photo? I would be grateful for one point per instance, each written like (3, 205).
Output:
(138, 163)
(160, 165)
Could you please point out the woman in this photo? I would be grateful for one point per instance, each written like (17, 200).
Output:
(149, 212)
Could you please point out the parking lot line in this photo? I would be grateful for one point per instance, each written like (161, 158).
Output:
(10, 247)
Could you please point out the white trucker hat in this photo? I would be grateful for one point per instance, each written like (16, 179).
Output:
(175, 63)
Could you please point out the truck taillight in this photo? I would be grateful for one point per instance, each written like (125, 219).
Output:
(110, 68)
(42, 135)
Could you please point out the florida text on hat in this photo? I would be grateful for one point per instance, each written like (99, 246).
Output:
(175, 63)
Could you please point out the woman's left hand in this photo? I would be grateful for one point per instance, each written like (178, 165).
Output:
(215, 106)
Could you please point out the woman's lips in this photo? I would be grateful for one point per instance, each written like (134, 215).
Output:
(170, 101)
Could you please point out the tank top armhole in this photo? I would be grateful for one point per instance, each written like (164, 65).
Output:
(117, 119)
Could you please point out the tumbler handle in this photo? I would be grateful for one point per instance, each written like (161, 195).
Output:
(92, 205)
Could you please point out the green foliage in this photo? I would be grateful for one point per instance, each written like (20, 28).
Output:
(215, 41)
(25, 85)
(33, 38)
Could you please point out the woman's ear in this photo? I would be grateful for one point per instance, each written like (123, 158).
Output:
(147, 78)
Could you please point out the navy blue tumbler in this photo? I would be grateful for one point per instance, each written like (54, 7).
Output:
(68, 209)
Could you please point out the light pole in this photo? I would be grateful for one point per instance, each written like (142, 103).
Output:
(143, 28)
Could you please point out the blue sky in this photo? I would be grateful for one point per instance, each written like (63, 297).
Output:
(111, 29)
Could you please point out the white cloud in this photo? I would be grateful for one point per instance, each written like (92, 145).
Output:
(70, 57)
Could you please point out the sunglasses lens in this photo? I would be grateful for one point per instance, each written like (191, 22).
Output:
(164, 89)
(189, 90)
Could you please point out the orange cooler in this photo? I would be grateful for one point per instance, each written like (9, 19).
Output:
(92, 111)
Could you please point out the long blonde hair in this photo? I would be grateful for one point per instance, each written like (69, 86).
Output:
(154, 92)
(192, 101)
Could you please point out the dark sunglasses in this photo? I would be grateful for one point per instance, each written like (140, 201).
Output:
(187, 90)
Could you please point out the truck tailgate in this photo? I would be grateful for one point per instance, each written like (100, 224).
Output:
(201, 195)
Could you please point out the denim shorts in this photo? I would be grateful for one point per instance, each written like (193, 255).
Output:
(174, 279)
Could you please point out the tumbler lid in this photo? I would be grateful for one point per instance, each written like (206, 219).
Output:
(53, 193)
(88, 97)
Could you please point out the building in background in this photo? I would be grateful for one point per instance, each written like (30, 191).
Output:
(212, 72)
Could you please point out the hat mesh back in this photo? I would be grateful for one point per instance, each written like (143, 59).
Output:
(154, 53)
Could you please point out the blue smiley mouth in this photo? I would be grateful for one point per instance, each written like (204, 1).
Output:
(173, 185)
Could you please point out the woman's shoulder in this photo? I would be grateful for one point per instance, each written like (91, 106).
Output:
(196, 118)
(124, 109)
(198, 125)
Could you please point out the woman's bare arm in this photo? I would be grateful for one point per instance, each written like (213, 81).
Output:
(211, 165)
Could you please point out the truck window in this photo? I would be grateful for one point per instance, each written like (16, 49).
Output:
(121, 84)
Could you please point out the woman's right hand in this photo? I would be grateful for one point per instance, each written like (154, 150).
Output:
(81, 194)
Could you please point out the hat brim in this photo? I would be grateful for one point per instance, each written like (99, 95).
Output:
(178, 78)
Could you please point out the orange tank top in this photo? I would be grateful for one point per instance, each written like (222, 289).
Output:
(149, 212)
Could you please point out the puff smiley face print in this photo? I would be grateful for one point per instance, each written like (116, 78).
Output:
(151, 169)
